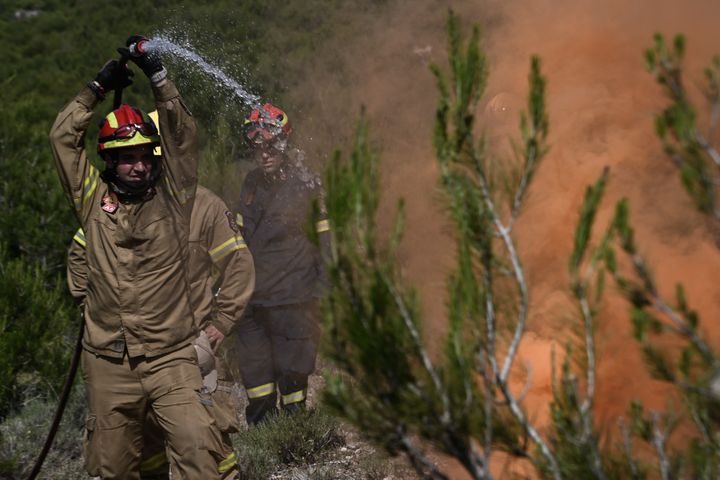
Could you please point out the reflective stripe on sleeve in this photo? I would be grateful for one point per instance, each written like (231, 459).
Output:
(234, 243)
(229, 462)
(89, 186)
(261, 391)
(293, 397)
(322, 226)
(79, 238)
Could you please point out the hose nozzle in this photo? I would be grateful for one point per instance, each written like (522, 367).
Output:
(139, 48)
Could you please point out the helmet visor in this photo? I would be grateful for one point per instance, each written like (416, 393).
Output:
(261, 138)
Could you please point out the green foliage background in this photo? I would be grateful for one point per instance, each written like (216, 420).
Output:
(52, 48)
(46, 59)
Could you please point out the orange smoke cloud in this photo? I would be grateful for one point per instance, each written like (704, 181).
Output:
(601, 103)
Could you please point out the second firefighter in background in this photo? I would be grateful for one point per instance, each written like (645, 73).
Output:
(278, 338)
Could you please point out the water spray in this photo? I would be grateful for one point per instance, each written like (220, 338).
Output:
(162, 45)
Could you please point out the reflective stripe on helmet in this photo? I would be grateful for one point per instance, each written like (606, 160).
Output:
(154, 116)
(112, 120)
(122, 116)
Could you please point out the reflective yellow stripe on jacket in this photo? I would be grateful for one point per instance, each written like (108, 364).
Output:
(89, 186)
(322, 226)
(79, 238)
(231, 245)
(229, 462)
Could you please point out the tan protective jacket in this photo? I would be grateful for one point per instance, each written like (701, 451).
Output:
(138, 294)
(220, 266)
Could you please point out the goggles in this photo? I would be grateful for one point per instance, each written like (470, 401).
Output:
(263, 140)
(128, 131)
(261, 133)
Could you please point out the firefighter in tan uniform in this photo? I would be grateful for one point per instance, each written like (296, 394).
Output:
(222, 278)
(139, 323)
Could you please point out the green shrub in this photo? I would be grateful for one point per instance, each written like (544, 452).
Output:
(287, 440)
(37, 326)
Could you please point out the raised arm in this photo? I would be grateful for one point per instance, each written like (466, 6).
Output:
(67, 138)
(179, 145)
(177, 126)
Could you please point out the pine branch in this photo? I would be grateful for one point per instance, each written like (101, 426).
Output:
(709, 149)
(446, 417)
(529, 428)
(687, 147)
(659, 440)
(524, 182)
(418, 460)
(467, 456)
(627, 448)
(682, 325)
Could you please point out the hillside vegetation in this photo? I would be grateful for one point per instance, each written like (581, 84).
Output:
(52, 48)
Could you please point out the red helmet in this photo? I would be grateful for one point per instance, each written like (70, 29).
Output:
(126, 127)
(267, 124)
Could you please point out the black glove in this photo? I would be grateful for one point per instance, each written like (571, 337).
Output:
(149, 62)
(113, 76)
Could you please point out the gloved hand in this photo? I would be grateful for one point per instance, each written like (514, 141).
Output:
(113, 76)
(149, 63)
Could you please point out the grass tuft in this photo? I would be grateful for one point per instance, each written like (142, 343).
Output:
(304, 438)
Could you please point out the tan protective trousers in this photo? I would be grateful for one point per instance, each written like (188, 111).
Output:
(120, 392)
(223, 410)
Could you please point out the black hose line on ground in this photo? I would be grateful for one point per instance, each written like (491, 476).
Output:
(62, 403)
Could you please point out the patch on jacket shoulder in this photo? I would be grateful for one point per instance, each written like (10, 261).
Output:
(110, 203)
(231, 221)
(249, 197)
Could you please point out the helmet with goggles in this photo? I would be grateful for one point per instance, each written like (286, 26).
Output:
(127, 127)
(267, 126)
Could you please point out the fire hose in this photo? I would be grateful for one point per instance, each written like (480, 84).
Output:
(62, 402)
